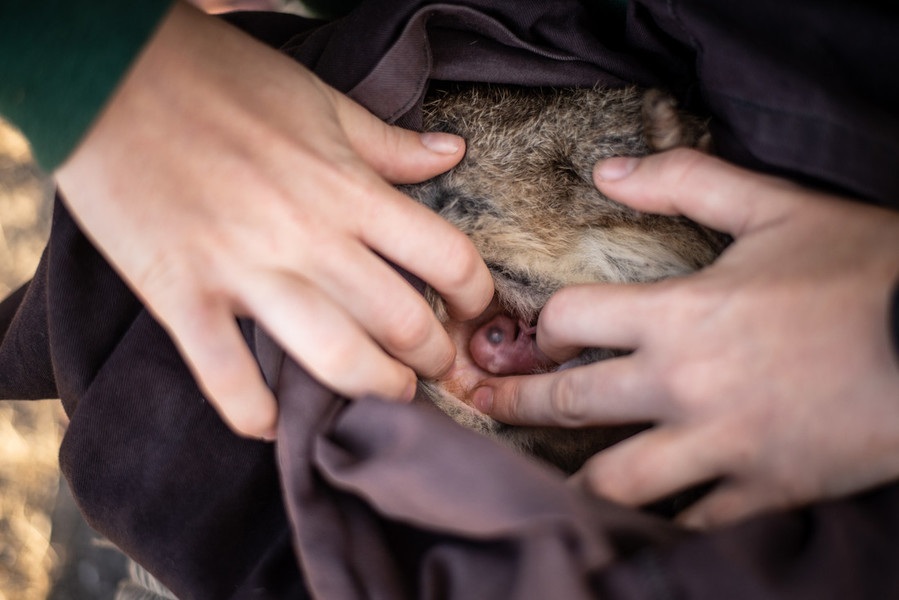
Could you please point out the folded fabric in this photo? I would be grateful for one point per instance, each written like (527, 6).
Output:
(370, 499)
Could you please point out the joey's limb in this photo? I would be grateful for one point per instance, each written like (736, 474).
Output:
(225, 179)
(772, 369)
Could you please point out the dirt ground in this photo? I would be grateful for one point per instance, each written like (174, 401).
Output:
(46, 549)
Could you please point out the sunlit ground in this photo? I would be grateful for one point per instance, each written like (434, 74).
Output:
(29, 431)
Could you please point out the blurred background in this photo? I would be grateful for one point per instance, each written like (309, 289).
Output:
(29, 431)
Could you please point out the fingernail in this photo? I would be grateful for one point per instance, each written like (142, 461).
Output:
(613, 169)
(441, 143)
(269, 436)
(482, 398)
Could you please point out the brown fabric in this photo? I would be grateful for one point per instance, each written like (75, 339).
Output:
(395, 501)
(389, 501)
(392, 501)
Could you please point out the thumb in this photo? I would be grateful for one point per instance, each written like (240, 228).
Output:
(399, 155)
(706, 189)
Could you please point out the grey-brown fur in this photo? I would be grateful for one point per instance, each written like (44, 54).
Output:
(524, 195)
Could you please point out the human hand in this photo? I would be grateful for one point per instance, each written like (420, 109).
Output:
(771, 369)
(224, 179)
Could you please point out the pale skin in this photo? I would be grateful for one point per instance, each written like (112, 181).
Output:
(224, 179)
(772, 369)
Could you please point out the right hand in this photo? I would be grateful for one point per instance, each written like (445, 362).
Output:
(770, 370)
(225, 179)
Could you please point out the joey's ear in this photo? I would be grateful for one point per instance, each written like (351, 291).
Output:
(665, 127)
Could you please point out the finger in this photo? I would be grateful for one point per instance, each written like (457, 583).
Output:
(210, 341)
(729, 502)
(399, 155)
(424, 244)
(706, 189)
(322, 337)
(610, 392)
(387, 307)
(595, 316)
(651, 465)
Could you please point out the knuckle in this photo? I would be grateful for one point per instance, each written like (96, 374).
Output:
(334, 360)
(510, 404)
(569, 405)
(222, 374)
(683, 170)
(463, 262)
(685, 385)
(699, 386)
(408, 330)
(163, 280)
(685, 162)
(684, 299)
(508, 397)
(679, 381)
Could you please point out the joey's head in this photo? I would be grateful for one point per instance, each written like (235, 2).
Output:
(524, 195)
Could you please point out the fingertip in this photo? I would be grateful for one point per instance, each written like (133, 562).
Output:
(414, 157)
(597, 315)
(553, 325)
(390, 380)
(614, 169)
(482, 398)
(224, 368)
(465, 283)
(473, 306)
(399, 155)
(409, 391)
(442, 143)
(694, 520)
(421, 345)
(591, 479)
(251, 415)
(685, 181)
(730, 503)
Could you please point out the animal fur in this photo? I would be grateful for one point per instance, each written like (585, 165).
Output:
(524, 195)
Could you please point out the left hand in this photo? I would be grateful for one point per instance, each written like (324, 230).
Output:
(224, 179)
(772, 369)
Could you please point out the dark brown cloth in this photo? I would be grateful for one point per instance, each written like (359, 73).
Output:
(370, 499)
(391, 501)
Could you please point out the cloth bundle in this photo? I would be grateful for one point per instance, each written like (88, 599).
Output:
(374, 500)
